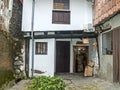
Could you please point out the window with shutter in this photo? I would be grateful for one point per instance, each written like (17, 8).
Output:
(61, 17)
(61, 13)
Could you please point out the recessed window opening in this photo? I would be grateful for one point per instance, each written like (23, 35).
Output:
(41, 48)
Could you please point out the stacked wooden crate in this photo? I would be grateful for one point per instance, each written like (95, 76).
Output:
(89, 68)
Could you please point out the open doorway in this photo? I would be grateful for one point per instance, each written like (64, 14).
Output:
(80, 58)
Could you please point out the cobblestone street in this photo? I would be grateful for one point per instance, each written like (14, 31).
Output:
(76, 82)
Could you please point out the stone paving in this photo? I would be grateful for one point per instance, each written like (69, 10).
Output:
(76, 82)
(79, 82)
(22, 85)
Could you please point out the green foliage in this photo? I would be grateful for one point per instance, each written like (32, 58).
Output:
(47, 83)
(5, 76)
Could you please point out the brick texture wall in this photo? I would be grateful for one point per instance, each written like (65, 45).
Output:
(104, 9)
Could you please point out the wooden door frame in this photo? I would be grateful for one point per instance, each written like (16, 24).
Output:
(83, 45)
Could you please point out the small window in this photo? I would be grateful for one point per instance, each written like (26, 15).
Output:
(61, 4)
(107, 43)
(41, 48)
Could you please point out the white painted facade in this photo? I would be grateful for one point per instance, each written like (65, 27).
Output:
(81, 16)
(44, 63)
(47, 63)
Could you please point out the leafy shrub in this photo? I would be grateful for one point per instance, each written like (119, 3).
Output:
(47, 83)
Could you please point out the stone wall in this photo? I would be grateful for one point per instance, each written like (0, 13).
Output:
(10, 33)
(10, 43)
(15, 31)
(6, 61)
(16, 19)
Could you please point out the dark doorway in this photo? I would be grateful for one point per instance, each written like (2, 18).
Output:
(116, 55)
(62, 56)
(80, 58)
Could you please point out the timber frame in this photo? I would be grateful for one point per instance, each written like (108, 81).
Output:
(61, 34)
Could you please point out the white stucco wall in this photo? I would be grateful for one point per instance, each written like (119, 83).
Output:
(44, 63)
(47, 63)
(81, 15)
(106, 67)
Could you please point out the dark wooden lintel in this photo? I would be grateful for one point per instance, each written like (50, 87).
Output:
(64, 34)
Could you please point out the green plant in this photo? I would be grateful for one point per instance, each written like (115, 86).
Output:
(5, 77)
(47, 83)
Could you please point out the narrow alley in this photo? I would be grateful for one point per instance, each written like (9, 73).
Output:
(63, 38)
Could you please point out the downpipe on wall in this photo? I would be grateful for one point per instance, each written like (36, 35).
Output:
(32, 36)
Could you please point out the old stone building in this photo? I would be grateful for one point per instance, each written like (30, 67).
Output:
(107, 25)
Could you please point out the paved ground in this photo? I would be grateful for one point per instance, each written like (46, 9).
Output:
(76, 82)
(22, 85)
(79, 82)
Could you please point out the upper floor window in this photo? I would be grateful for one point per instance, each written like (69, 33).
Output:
(61, 17)
(61, 13)
(61, 4)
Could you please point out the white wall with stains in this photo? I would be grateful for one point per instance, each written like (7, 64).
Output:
(81, 16)
(43, 63)
(47, 63)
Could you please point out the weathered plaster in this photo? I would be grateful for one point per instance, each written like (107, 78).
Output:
(106, 61)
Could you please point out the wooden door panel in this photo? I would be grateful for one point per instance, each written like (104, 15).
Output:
(119, 55)
(116, 55)
(62, 56)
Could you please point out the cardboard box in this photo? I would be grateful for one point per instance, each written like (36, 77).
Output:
(90, 63)
(88, 71)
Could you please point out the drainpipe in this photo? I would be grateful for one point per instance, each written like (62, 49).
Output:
(98, 50)
(32, 36)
